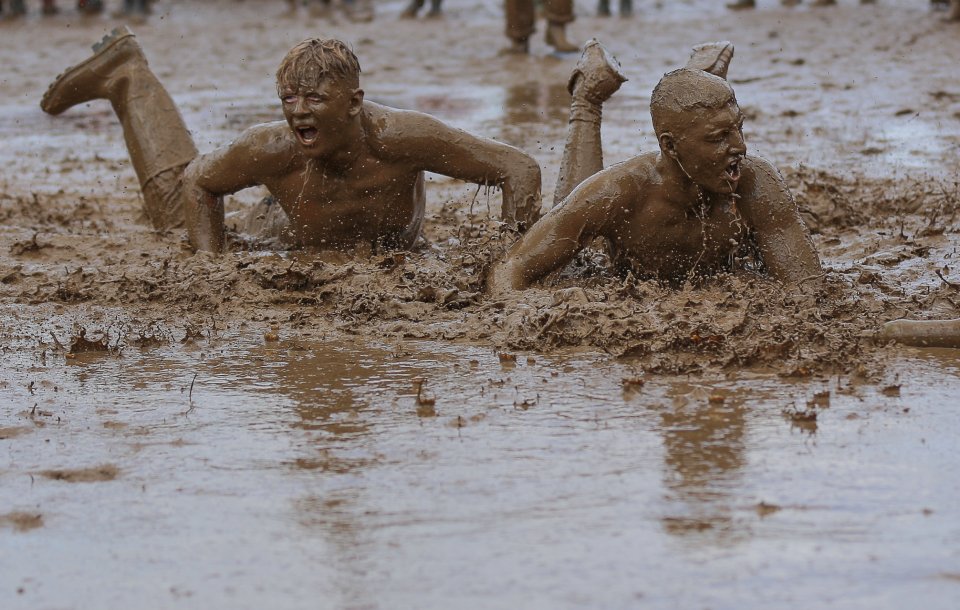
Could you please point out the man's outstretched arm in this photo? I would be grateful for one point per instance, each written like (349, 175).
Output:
(436, 147)
(209, 177)
(554, 239)
(782, 237)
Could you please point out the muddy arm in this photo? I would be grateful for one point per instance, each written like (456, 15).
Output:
(554, 239)
(435, 147)
(782, 237)
(209, 177)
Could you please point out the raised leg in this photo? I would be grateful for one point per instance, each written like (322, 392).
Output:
(157, 138)
(596, 77)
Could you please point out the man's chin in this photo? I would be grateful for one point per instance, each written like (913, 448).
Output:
(312, 151)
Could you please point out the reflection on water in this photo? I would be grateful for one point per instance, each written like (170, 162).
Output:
(704, 443)
(538, 103)
(296, 472)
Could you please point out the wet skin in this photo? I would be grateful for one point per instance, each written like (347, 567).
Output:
(683, 211)
(348, 171)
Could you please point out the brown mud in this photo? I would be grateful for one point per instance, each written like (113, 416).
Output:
(370, 430)
(79, 252)
(22, 522)
(95, 474)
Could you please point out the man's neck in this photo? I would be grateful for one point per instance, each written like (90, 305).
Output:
(354, 144)
(680, 189)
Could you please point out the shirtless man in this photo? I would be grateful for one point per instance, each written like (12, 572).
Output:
(688, 209)
(345, 171)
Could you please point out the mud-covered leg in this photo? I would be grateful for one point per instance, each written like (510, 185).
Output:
(596, 77)
(923, 333)
(157, 138)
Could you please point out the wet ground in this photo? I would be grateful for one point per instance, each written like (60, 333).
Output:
(246, 431)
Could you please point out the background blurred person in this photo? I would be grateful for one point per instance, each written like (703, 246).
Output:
(626, 8)
(520, 16)
(16, 9)
(415, 5)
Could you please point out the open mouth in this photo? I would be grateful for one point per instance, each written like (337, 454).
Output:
(307, 135)
(733, 170)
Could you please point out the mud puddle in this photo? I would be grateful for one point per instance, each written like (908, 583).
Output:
(421, 474)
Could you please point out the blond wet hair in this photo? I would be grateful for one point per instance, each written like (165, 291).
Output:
(315, 59)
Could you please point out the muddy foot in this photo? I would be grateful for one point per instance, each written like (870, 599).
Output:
(597, 76)
(84, 81)
(712, 57)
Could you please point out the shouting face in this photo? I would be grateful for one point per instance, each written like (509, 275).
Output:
(710, 147)
(322, 115)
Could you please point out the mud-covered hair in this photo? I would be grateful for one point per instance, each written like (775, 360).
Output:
(315, 59)
(683, 90)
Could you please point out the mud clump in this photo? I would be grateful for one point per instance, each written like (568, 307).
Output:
(152, 291)
(22, 521)
(12, 432)
(106, 472)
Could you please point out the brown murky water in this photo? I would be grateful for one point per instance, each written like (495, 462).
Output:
(212, 469)
(307, 475)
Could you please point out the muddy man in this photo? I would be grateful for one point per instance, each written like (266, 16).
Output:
(345, 171)
(689, 209)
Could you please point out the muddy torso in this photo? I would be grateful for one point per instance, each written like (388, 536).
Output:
(654, 237)
(373, 201)
(377, 197)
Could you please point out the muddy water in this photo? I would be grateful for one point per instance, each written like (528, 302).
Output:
(305, 475)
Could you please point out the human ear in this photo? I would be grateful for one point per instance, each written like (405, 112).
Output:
(356, 102)
(668, 144)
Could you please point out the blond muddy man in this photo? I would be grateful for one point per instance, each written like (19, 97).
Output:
(344, 171)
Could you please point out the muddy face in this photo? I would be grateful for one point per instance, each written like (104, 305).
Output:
(321, 115)
(710, 148)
